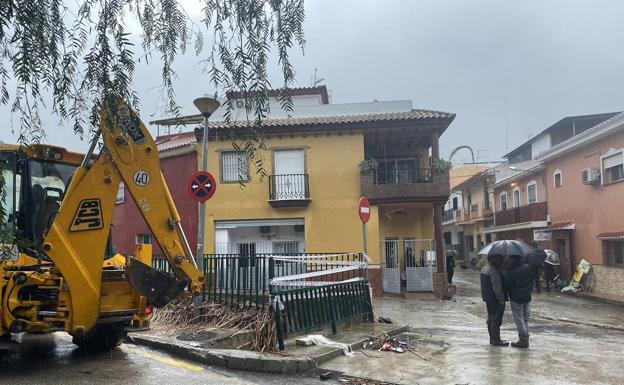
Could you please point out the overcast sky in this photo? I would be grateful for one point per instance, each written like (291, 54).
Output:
(507, 68)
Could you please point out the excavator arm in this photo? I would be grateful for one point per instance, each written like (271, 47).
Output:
(79, 232)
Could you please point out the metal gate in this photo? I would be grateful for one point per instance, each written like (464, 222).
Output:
(390, 270)
(420, 263)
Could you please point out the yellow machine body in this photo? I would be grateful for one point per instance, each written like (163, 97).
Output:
(63, 280)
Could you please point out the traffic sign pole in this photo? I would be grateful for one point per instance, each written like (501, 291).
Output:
(364, 238)
(201, 223)
(364, 214)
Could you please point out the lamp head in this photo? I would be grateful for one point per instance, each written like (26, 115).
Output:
(206, 106)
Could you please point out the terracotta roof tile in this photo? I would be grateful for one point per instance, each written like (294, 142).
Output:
(170, 142)
(339, 119)
(611, 235)
(562, 226)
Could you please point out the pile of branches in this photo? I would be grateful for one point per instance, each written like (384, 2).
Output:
(181, 314)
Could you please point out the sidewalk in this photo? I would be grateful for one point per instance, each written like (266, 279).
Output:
(293, 359)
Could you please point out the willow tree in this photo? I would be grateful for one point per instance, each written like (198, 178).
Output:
(74, 57)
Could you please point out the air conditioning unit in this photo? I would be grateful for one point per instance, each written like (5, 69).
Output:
(590, 175)
(268, 231)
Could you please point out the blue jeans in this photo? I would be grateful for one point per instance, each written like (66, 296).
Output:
(520, 313)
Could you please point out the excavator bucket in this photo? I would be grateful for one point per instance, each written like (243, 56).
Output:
(157, 286)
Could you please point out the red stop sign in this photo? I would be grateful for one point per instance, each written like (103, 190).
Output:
(202, 186)
(364, 209)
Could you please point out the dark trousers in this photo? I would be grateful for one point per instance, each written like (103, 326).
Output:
(549, 275)
(495, 313)
(495, 319)
(449, 274)
(536, 278)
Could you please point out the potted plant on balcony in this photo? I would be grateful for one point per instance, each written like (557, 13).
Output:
(368, 165)
(440, 166)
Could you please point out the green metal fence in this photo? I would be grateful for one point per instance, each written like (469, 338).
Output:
(311, 307)
(245, 279)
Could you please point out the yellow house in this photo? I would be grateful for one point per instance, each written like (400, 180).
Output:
(320, 160)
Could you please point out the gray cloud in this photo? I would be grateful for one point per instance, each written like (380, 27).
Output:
(507, 68)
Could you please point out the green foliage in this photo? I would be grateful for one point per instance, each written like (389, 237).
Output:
(441, 165)
(78, 58)
(368, 165)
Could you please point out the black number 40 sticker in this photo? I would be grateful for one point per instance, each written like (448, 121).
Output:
(141, 178)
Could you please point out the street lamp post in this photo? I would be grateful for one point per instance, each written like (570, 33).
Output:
(206, 106)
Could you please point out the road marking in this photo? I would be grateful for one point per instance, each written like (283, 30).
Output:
(164, 360)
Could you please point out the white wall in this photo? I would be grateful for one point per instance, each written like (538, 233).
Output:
(540, 144)
(264, 244)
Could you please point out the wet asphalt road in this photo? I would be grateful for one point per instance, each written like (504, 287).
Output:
(452, 338)
(53, 359)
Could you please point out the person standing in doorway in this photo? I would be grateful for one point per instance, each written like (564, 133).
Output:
(450, 265)
(518, 282)
(493, 295)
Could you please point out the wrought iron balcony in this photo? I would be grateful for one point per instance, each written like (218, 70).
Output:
(289, 190)
(419, 175)
(448, 215)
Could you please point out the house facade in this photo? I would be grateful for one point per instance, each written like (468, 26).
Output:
(477, 211)
(584, 184)
(454, 236)
(519, 192)
(319, 161)
(519, 202)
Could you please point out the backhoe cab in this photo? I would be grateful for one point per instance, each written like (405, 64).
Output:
(56, 266)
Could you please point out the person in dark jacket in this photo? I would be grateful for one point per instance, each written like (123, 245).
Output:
(450, 265)
(493, 295)
(518, 283)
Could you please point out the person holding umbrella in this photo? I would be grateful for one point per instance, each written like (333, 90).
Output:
(518, 283)
(492, 290)
(494, 297)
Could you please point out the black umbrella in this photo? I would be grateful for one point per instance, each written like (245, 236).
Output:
(536, 258)
(507, 248)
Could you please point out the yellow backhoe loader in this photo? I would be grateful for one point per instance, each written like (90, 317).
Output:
(57, 209)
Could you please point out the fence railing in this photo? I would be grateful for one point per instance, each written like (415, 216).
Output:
(448, 215)
(419, 175)
(312, 307)
(246, 279)
(289, 187)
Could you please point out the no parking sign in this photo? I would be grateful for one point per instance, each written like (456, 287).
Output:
(202, 186)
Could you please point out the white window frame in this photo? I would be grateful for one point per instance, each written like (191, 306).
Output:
(143, 236)
(531, 183)
(500, 200)
(239, 176)
(602, 169)
(513, 200)
(121, 193)
(557, 172)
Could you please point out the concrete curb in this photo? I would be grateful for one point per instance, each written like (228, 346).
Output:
(230, 358)
(245, 359)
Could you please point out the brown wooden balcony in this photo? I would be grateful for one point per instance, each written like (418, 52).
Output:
(530, 213)
(486, 209)
(289, 190)
(402, 186)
